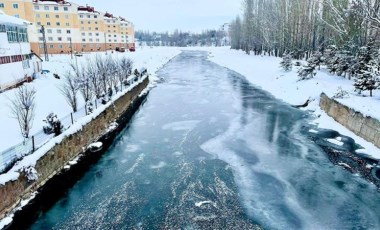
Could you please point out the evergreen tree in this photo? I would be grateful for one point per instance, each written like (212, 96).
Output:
(286, 62)
(368, 79)
(331, 58)
(316, 59)
(308, 71)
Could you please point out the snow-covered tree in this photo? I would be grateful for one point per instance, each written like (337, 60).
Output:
(69, 90)
(316, 59)
(331, 58)
(23, 105)
(307, 71)
(286, 62)
(340, 93)
(368, 79)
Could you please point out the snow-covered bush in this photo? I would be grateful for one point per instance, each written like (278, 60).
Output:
(30, 173)
(286, 62)
(340, 93)
(307, 71)
(53, 125)
(331, 58)
(316, 59)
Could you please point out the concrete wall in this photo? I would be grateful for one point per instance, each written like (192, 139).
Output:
(365, 127)
(54, 161)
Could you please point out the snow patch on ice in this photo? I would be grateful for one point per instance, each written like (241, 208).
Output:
(335, 142)
(199, 204)
(181, 125)
(160, 164)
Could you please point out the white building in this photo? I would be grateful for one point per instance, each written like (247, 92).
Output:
(16, 60)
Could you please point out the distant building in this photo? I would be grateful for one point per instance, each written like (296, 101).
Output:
(17, 64)
(70, 27)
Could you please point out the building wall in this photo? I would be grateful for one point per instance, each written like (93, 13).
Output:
(14, 72)
(63, 22)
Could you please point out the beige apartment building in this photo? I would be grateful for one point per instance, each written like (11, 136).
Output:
(70, 27)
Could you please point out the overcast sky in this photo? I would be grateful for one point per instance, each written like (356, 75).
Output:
(167, 15)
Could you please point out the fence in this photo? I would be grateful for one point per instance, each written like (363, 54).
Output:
(10, 156)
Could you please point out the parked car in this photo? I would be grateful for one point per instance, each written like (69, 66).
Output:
(120, 49)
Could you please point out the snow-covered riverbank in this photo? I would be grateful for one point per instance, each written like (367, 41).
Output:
(48, 97)
(265, 72)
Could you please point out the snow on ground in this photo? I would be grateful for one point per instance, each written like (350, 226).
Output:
(49, 98)
(265, 72)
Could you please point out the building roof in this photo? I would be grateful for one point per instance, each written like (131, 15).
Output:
(10, 20)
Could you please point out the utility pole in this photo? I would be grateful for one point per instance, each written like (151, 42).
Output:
(44, 41)
(105, 42)
(71, 47)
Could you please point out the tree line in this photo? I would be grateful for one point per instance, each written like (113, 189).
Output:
(183, 39)
(304, 26)
(342, 35)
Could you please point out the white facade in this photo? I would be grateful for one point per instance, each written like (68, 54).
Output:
(15, 58)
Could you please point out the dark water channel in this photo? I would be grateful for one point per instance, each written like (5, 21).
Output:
(208, 150)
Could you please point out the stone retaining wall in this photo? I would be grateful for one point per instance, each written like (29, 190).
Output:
(365, 127)
(53, 161)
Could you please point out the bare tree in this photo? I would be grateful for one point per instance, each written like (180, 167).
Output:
(69, 90)
(93, 75)
(124, 67)
(23, 108)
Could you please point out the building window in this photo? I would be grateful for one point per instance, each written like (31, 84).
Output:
(46, 7)
(89, 34)
(38, 16)
(109, 35)
(96, 28)
(49, 31)
(96, 22)
(40, 39)
(89, 28)
(68, 31)
(51, 46)
(56, 16)
(109, 40)
(47, 15)
(17, 15)
(90, 39)
(88, 16)
(60, 46)
(84, 45)
(114, 36)
(58, 23)
(59, 39)
(3, 29)
(81, 22)
(81, 15)
(48, 23)
(67, 24)
(36, 7)
(97, 34)
(95, 16)
(89, 22)
(59, 31)
(25, 64)
(15, 6)
(69, 39)
(12, 33)
(83, 40)
(1, 5)
(82, 28)
(97, 40)
(83, 34)
(66, 16)
(115, 40)
(41, 46)
(50, 38)
(38, 23)
(56, 8)
(65, 8)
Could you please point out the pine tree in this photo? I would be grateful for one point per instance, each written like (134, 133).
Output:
(331, 58)
(316, 59)
(368, 79)
(308, 71)
(286, 62)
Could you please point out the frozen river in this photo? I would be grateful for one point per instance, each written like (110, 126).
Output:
(208, 150)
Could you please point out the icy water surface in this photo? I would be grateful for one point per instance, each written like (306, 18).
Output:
(210, 151)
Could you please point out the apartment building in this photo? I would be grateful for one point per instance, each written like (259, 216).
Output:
(69, 27)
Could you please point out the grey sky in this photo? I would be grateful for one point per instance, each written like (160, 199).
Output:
(167, 15)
